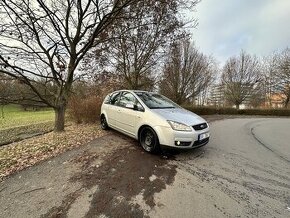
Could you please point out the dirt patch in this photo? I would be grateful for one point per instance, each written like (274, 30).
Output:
(60, 212)
(124, 174)
(85, 159)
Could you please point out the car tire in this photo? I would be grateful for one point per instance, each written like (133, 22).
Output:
(104, 124)
(148, 139)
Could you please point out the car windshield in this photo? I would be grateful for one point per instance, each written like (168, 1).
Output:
(155, 101)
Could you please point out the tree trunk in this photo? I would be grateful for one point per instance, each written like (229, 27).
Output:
(287, 101)
(2, 111)
(59, 118)
(237, 106)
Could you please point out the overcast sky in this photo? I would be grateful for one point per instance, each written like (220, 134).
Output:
(227, 26)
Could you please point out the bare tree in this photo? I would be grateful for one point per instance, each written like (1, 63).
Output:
(268, 68)
(282, 76)
(14, 92)
(258, 96)
(42, 43)
(140, 41)
(186, 74)
(6, 89)
(240, 77)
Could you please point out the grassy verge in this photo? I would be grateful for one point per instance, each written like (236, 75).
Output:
(18, 124)
(24, 144)
(22, 132)
(19, 155)
(14, 116)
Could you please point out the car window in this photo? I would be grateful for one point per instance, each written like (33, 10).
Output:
(127, 98)
(139, 106)
(114, 98)
(107, 99)
(156, 101)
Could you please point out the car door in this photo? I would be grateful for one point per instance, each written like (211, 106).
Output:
(112, 108)
(127, 116)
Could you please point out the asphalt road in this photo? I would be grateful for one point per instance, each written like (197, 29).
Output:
(243, 172)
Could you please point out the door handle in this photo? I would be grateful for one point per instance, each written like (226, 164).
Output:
(119, 110)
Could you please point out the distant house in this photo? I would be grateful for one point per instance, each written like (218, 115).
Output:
(275, 100)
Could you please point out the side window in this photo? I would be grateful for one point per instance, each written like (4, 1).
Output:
(107, 99)
(127, 98)
(139, 107)
(114, 98)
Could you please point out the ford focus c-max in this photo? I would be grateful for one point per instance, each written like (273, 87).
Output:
(153, 120)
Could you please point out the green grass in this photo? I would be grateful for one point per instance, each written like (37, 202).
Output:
(15, 116)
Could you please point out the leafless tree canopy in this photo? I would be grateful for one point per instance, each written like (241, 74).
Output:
(268, 67)
(140, 39)
(187, 72)
(42, 43)
(240, 77)
(6, 86)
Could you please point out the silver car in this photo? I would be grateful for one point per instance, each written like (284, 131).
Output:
(153, 120)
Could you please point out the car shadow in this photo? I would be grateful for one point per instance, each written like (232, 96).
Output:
(165, 152)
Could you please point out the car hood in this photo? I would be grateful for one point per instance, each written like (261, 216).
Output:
(179, 115)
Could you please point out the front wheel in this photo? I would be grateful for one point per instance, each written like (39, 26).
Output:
(148, 139)
(104, 123)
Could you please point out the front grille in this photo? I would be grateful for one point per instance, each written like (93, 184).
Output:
(200, 126)
(201, 142)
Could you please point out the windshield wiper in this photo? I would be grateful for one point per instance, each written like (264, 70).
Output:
(161, 107)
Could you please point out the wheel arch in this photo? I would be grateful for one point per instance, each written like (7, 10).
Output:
(104, 114)
(143, 126)
(155, 148)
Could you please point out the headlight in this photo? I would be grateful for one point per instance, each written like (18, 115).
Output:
(179, 126)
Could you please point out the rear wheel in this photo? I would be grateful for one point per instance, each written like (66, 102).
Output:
(104, 123)
(148, 139)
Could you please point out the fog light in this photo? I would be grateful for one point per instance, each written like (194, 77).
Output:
(182, 143)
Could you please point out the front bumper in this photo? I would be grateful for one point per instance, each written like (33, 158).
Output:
(181, 139)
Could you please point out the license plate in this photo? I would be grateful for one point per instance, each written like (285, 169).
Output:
(203, 136)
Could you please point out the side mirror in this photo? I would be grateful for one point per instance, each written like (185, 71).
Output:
(130, 106)
(135, 107)
(138, 107)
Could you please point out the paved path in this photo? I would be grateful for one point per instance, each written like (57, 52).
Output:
(243, 172)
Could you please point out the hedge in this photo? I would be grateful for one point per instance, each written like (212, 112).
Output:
(233, 111)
